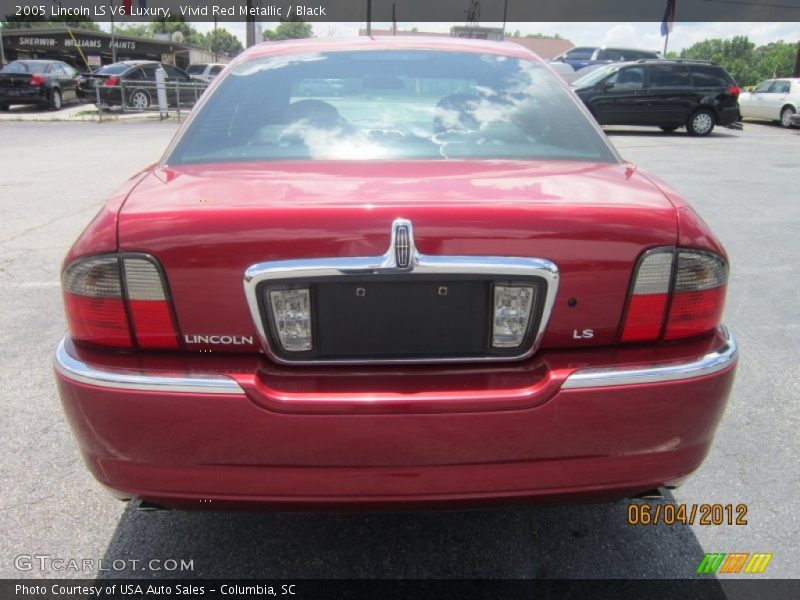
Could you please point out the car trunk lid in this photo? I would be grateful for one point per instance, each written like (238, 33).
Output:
(207, 224)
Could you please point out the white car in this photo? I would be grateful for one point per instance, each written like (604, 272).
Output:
(204, 71)
(775, 99)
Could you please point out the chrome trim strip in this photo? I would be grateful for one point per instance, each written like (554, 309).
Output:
(419, 264)
(721, 358)
(129, 379)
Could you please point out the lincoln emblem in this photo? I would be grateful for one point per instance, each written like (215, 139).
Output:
(402, 246)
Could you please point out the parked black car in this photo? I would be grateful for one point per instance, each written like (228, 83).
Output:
(138, 80)
(664, 93)
(47, 83)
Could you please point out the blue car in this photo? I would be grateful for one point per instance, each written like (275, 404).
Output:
(581, 57)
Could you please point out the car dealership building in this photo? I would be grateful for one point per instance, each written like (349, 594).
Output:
(85, 49)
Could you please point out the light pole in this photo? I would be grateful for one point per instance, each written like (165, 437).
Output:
(2, 51)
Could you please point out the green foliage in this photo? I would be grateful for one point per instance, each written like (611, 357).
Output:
(142, 30)
(747, 63)
(29, 22)
(293, 28)
(171, 24)
(224, 42)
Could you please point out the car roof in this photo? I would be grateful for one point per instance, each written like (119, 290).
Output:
(386, 43)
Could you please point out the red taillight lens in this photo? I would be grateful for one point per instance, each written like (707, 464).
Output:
(37, 80)
(111, 81)
(694, 295)
(150, 311)
(699, 295)
(96, 305)
(649, 296)
(734, 90)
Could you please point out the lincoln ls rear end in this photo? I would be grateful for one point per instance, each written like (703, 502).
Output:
(434, 283)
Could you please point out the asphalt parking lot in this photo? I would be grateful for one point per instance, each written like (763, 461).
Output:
(55, 176)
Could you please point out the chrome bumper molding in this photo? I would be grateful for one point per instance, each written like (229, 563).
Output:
(718, 360)
(200, 383)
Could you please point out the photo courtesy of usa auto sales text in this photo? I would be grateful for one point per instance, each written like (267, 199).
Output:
(152, 590)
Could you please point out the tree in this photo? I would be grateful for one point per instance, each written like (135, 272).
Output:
(747, 63)
(224, 42)
(171, 24)
(293, 28)
(142, 30)
(30, 22)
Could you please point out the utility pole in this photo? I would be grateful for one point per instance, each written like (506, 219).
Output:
(2, 51)
(369, 17)
(505, 18)
(215, 38)
(797, 62)
(250, 26)
(113, 37)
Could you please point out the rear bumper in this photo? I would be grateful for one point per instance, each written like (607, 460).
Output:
(234, 433)
(30, 95)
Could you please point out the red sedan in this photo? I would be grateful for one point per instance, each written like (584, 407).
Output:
(432, 283)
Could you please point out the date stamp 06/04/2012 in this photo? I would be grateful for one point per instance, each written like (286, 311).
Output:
(668, 513)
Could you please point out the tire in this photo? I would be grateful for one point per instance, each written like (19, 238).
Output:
(701, 122)
(786, 115)
(669, 129)
(139, 99)
(55, 99)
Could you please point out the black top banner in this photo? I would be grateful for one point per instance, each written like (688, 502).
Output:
(386, 11)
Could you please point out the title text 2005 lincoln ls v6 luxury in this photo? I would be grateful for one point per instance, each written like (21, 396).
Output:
(433, 283)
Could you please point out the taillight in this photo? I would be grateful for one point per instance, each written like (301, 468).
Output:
(37, 80)
(734, 90)
(676, 294)
(698, 296)
(111, 81)
(93, 302)
(649, 296)
(102, 293)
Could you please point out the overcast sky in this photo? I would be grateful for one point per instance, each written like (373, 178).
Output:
(637, 35)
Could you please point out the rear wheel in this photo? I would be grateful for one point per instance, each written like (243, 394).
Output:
(786, 116)
(701, 122)
(140, 100)
(669, 129)
(55, 100)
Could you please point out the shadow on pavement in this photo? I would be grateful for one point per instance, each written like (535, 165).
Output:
(542, 541)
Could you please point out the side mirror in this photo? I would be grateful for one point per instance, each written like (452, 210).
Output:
(608, 85)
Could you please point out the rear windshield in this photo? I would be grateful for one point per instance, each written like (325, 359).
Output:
(115, 69)
(26, 67)
(195, 69)
(390, 105)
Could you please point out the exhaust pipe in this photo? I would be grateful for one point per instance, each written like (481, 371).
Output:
(145, 506)
(654, 494)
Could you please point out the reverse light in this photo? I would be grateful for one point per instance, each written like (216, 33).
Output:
(649, 296)
(119, 302)
(150, 312)
(291, 313)
(512, 315)
(676, 294)
(37, 80)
